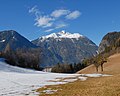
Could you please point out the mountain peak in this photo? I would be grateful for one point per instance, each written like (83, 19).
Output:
(62, 34)
(14, 40)
(8, 31)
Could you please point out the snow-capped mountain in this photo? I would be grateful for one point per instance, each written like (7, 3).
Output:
(64, 47)
(61, 34)
(10, 39)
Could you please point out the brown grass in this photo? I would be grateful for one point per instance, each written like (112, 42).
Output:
(111, 67)
(102, 86)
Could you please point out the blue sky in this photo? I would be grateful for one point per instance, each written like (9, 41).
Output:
(34, 18)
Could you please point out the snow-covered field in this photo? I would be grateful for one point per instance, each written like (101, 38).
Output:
(15, 81)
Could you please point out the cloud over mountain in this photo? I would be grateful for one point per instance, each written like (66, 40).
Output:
(73, 15)
(60, 12)
(44, 21)
(54, 20)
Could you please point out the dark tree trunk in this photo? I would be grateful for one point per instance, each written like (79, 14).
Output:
(96, 68)
(102, 67)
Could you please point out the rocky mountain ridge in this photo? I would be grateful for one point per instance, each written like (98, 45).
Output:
(64, 47)
(10, 39)
(109, 42)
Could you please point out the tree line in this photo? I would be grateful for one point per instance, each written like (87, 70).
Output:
(67, 68)
(26, 58)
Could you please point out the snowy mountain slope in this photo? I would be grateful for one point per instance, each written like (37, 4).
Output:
(64, 47)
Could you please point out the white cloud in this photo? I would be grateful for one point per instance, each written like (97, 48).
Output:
(48, 25)
(58, 26)
(60, 12)
(44, 21)
(52, 21)
(35, 11)
(49, 30)
(61, 25)
(73, 15)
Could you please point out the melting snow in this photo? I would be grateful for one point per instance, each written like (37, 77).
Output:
(94, 75)
(82, 78)
(15, 81)
(50, 91)
(70, 80)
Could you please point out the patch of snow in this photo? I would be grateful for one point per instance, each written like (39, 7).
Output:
(54, 35)
(97, 52)
(92, 45)
(49, 91)
(70, 80)
(94, 75)
(64, 34)
(14, 37)
(2, 41)
(106, 75)
(82, 78)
